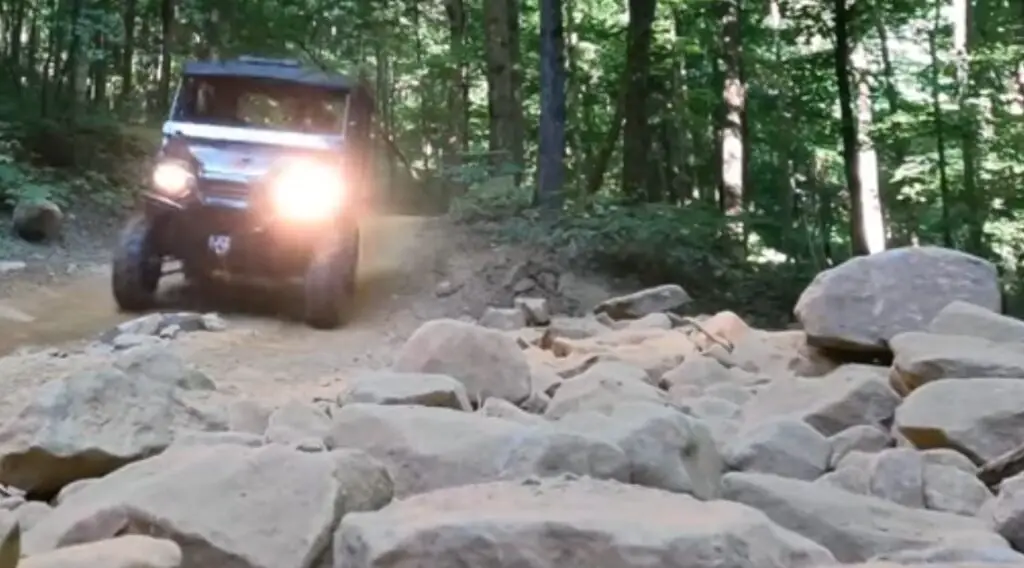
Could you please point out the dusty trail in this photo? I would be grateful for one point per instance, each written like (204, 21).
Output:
(261, 354)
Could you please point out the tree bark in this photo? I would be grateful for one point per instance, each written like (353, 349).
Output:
(734, 105)
(867, 161)
(551, 158)
(636, 136)
(848, 127)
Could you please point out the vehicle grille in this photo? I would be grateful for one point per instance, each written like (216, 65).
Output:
(212, 220)
(224, 189)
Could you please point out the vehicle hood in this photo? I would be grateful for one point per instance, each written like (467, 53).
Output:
(242, 154)
(241, 161)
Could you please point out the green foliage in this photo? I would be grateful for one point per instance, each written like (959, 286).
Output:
(493, 199)
(694, 246)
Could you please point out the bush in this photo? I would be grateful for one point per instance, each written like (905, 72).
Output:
(95, 160)
(694, 246)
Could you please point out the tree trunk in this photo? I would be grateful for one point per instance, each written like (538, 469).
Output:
(127, 52)
(503, 99)
(551, 154)
(99, 72)
(963, 40)
(867, 161)
(940, 128)
(78, 58)
(597, 170)
(458, 86)
(848, 128)
(517, 128)
(636, 135)
(14, 41)
(734, 104)
(166, 35)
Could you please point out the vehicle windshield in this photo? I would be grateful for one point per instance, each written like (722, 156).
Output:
(269, 105)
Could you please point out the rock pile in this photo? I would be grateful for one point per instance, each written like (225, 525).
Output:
(631, 437)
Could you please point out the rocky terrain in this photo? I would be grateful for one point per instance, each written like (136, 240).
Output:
(632, 434)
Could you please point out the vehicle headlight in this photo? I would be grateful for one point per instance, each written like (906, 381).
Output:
(307, 191)
(173, 178)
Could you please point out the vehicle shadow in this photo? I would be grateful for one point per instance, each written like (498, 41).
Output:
(282, 302)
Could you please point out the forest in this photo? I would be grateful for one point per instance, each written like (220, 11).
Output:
(733, 146)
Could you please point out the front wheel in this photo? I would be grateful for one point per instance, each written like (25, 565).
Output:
(330, 285)
(137, 267)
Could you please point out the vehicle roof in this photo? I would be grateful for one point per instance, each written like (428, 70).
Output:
(279, 70)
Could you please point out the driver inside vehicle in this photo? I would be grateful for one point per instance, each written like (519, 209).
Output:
(311, 116)
(217, 105)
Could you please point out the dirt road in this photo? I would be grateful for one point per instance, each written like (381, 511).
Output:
(262, 354)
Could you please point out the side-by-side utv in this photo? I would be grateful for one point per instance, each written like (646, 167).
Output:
(260, 176)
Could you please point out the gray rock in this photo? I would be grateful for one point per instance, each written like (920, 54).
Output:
(297, 422)
(972, 320)
(664, 298)
(666, 449)
(920, 358)
(785, 446)
(429, 448)
(982, 418)
(269, 507)
(570, 523)
(848, 396)
(854, 528)
(951, 489)
(91, 423)
(866, 301)
(862, 437)
(486, 361)
(389, 387)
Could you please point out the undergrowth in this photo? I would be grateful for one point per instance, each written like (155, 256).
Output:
(93, 160)
(654, 244)
(692, 245)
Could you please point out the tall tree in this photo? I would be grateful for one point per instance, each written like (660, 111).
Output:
(551, 154)
(734, 99)
(504, 104)
(851, 157)
(636, 135)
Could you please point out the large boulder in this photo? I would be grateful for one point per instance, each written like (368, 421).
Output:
(666, 448)
(784, 446)
(951, 489)
(775, 353)
(486, 361)
(1005, 513)
(982, 418)
(854, 528)
(93, 422)
(920, 358)
(128, 551)
(851, 395)
(662, 298)
(227, 506)
(701, 372)
(568, 522)
(431, 448)
(864, 302)
(37, 220)
(656, 351)
(972, 320)
(598, 390)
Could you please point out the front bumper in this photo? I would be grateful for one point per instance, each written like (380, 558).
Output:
(233, 232)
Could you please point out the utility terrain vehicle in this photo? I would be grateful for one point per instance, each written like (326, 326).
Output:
(259, 178)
